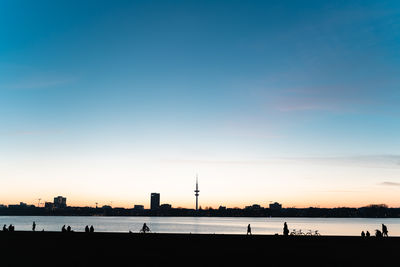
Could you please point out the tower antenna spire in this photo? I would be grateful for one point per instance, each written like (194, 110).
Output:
(196, 193)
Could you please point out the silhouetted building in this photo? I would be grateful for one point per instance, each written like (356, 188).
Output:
(138, 207)
(166, 206)
(16, 206)
(60, 202)
(106, 207)
(253, 207)
(275, 206)
(222, 208)
(49, 205)
(2, 206)
(155, 201)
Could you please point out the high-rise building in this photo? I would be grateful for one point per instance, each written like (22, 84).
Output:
(60, 202)
(155, 201)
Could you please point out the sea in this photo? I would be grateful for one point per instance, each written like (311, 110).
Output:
(205, 225)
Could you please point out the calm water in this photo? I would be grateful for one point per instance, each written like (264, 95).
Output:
(326, 226)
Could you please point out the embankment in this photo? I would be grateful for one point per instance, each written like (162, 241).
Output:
(124, 249)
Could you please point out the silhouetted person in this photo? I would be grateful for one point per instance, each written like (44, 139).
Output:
(63, 229)
(362, 234)
(91, 229)
(368, 234)
(384, 230)
(248, 230)
(33, 226)
(145, 228)
(68, 228)
(5, 228)
(285, 229)
(11, 228)
(87, 229)
(378, 233)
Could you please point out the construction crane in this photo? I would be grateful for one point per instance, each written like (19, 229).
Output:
(39, 199)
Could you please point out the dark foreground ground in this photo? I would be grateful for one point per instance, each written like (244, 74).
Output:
(123, 249)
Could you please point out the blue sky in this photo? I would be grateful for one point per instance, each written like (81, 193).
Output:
(127, 84)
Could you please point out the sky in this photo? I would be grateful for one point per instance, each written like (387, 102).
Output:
(290, 101)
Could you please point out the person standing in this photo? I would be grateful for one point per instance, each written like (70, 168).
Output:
(33, 226)
(285, 229)
(384, 230)
(248, 230)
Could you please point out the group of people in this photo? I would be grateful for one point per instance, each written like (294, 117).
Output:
(285, 229)
(66, 230)
(10, 228)
(378, 233)
(146, 229)
(89, 230)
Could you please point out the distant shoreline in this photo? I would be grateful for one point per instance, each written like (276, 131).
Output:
(372, 211)
(191, 216)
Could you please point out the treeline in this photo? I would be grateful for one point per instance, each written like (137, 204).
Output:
(373, 211)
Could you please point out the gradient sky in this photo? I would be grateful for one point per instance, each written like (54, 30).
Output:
(289, 101)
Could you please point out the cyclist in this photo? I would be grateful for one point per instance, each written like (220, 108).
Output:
(145, 228)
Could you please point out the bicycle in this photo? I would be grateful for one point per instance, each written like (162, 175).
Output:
(297, 233)
(313, 233)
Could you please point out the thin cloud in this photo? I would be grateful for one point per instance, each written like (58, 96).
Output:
(390, 184)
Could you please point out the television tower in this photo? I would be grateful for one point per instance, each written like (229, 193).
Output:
(197, 194)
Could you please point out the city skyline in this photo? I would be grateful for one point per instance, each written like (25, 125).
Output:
(287, 101)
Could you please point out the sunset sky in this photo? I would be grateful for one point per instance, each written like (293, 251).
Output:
(290, 101)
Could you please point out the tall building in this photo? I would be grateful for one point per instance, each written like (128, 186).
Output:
(155, 201)
(196, 193)
(60, 202)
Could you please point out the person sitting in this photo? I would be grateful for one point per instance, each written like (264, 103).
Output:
(69, 229)
(91, 229)
(5, 228)
(367, 234)
(378, 233)
(87, 229)
(145, 228)
(362, 234)
(63, 229)
(11, 228)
